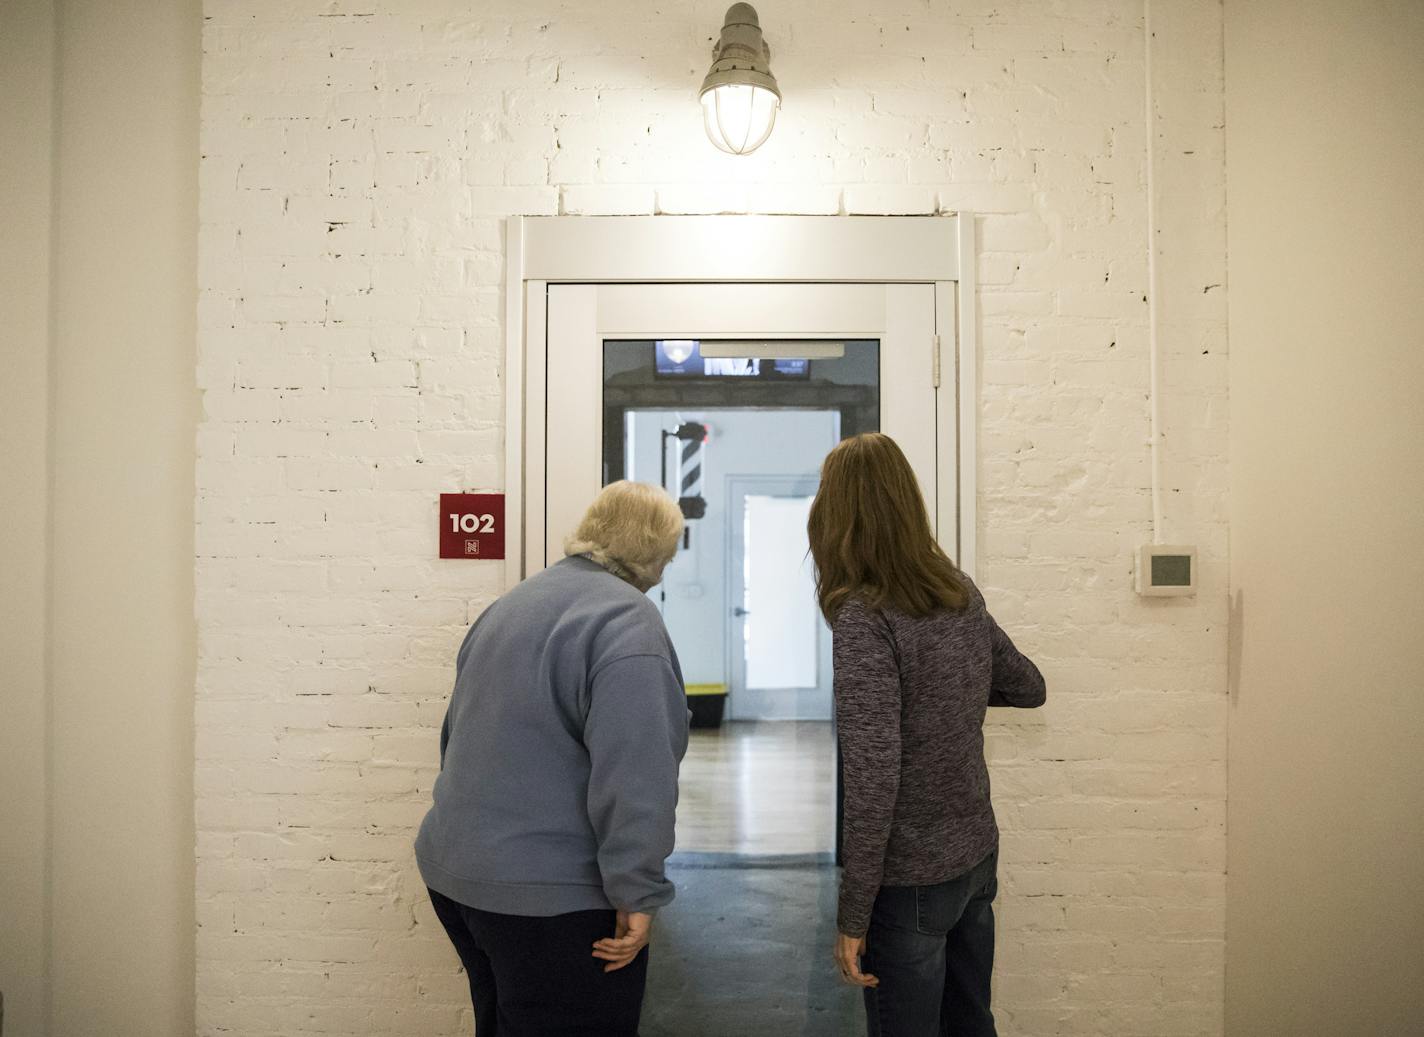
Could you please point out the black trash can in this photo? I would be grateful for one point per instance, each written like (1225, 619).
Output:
(707, 702)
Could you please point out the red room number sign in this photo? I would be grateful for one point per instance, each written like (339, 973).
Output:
(472, 525)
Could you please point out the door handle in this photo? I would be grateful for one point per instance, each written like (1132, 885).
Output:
(739, 612)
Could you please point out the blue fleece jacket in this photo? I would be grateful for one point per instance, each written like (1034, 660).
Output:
(560, 751)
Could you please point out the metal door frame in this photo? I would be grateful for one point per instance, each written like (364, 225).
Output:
(669, 249)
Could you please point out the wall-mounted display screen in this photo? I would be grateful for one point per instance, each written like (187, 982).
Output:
(1171, 570)
(682, 358)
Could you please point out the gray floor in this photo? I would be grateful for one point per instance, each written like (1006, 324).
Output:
(747, 950)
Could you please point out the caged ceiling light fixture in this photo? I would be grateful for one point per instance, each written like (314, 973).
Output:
(740, 96)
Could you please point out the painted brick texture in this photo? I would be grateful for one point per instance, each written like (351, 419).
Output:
(358, 159)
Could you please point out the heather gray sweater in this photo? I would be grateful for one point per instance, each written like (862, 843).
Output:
(910, 700)
(560, 752)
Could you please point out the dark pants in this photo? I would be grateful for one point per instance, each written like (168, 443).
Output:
(537, 977)
(932, 948)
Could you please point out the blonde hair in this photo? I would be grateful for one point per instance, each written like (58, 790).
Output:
(632, 527)
(870, 534)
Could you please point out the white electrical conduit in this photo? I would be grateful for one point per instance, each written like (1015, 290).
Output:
(1156, 419)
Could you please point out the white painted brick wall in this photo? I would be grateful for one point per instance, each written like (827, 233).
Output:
(358, 156)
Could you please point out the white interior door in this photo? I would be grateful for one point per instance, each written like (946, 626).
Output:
(790, 369)
(779, 647)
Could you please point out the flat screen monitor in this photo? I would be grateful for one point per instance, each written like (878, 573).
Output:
(682, 358)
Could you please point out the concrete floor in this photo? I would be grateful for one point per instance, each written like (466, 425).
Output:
(747, 951)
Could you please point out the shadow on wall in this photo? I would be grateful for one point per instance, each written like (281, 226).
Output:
(1235, 625)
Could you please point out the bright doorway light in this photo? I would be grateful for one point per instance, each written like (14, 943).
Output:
(740, 97)
(679, 350)
(739, 118)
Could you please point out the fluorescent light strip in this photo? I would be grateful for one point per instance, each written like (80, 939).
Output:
(773, 349)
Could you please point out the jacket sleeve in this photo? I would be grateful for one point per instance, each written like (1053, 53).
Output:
(636, 735)
(867, 692)
(461, 657)
(1016, 680)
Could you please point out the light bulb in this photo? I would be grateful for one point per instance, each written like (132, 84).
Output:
(738, 117)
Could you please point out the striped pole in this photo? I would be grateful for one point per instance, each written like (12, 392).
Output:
(691, 468)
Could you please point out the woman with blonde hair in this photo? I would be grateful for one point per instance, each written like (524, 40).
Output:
(559, 755)
(917, 660)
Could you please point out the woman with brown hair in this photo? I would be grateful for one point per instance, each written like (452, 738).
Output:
(918, 658)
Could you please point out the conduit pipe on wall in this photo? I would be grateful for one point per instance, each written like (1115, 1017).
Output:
(1154, 406)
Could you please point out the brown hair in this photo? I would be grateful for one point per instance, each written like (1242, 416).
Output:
(870, 534)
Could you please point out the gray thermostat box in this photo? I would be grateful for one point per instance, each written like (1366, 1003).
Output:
(1166, 571)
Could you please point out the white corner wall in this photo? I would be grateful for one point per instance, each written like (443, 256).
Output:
(97, 314)
(359, 159)
(1325, 147)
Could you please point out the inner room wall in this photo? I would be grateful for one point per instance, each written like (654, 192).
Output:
(98, 270)
(123, 404)
(27, 87)
(1327, 455)
(359, 160)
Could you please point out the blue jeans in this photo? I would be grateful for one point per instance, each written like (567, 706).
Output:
(932, 948)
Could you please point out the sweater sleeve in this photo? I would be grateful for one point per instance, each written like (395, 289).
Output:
(636, 735)
(461, 657)
(867, 693)
(1016, 680)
